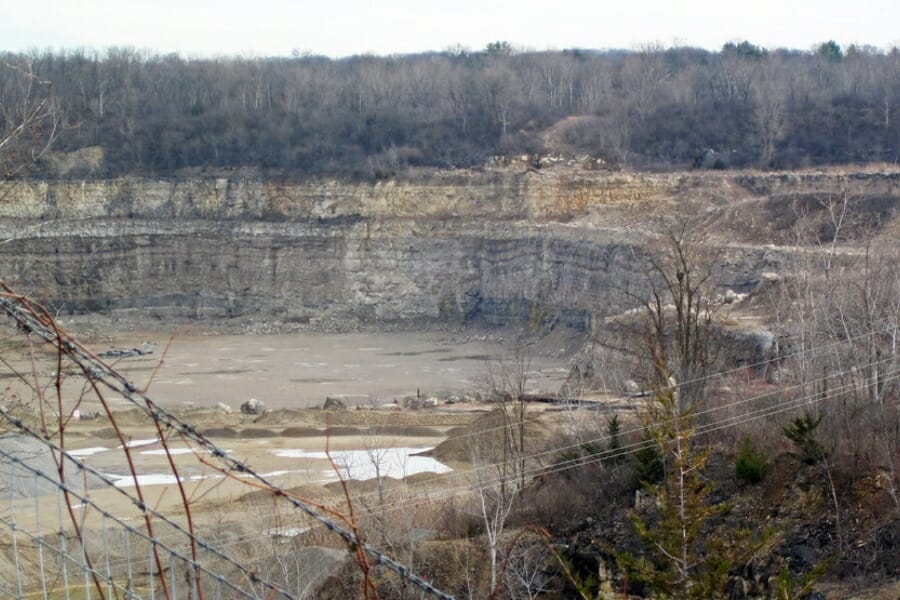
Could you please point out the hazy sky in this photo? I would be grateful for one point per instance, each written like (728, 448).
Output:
(345, 27)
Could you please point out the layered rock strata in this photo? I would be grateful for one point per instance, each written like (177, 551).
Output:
(484, 247)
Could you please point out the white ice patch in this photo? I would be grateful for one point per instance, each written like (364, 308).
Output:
(87, 451)
(368, 464)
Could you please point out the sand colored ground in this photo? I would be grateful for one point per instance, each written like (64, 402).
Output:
(301, 370)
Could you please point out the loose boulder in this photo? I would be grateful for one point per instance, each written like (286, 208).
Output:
(253, 407)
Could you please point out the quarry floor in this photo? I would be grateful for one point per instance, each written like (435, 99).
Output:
(375, 374)
(301, 370)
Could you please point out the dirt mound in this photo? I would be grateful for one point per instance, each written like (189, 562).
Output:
(483, 437)
(254, 433)
(425, 478)
(105, 433)
(455, 447)
(221, 432)
(307, 492)
(302, 432)
(282, 416)
(312, 566)
(411, 431)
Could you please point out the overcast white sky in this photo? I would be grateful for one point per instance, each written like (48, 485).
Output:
(346, 27)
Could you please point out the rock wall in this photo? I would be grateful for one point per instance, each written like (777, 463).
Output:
(493, 196)
(489, 247)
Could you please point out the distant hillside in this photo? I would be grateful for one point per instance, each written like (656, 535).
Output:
(130, 112)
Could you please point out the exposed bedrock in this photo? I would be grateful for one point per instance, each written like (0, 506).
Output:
(365, 272)
(488, 248)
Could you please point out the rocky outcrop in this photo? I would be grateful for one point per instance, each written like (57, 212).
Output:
(489, 247)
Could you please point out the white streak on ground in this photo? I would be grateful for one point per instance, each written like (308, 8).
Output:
(88, 451)
(174, 451)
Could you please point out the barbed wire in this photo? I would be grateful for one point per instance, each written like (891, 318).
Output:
(594, 457)
(597, 456)
(640, 429)
(86, 500)
(33, 318)
(100, 372)
(24, 429)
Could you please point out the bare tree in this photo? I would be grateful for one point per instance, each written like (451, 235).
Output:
(29, 118)
(770, 103)
(527, 574)
(498, 451)
(679, 312)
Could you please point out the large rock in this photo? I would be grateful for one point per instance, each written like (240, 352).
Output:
(253, 407)
(332, 403)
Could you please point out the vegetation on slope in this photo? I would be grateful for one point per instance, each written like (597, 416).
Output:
(133, 112)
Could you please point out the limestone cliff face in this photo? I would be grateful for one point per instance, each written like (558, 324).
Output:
(487, 246)
(501, 196)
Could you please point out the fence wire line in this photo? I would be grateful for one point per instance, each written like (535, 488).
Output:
(33, 318)
(101, 372)
(585, 459)
(111, 582)
(86, 500)
(588, 458)
(579, 445)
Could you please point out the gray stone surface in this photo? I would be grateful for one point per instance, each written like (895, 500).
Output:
(489, 249)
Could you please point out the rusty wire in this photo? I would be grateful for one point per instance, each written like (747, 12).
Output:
(34, 319)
